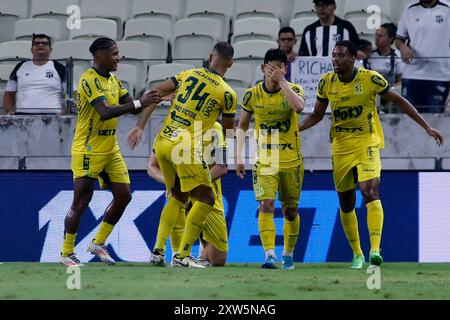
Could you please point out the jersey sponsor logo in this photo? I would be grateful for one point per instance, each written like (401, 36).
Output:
(185, 111)
(86, 88)
(86, 160)
(228, 100)
(379, 81)
(107, 132)
(351, 130)
(369, 119)
(210, 107)
(98, 85)
(179, 119)
(345, 113)
(247, 97)
(273, 146)
(282, 126)
(171, 132)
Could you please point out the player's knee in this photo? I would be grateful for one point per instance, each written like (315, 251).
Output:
(127, 198)
(267, 206)
(370, 194)
(291, 213)
(218, 260)
(81, 203)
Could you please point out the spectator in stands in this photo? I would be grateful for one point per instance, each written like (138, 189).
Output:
(426, 79)
(320, 37)
(36, 86)
(286, 42)
(365, 46)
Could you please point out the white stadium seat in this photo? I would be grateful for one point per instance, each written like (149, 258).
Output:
(129, 76)
(255, 28)
(10, 12)
(303, 9)
(216, 9)
(259, 75)
(165, 9)
(364, 32)
(161, 72)
(362, 8)
(157, 32)
(252, 52)
(25, 28)
(265, 8)
(51, 9)
(299, 25)
(5, 72)
(240, 75)
(92, 28)
(194, 38)
(77, 49)
(20, 49)
(136, 54)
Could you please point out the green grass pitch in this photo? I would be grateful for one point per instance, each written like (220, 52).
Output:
(235, 281)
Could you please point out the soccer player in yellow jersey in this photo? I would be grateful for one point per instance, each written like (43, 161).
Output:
(200, 97)
(275, 104)
(356, 139)
(214, 237)
(95, 152)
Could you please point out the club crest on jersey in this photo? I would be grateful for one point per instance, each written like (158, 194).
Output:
(86, 87)
(358, 89)
(228, 100)
(49, 74)
(439, 19)
(336, 37)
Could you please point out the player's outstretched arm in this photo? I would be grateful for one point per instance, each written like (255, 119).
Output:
(153, 169)
(409, 109)
(107, 112)
(244, 122)
(315, 117)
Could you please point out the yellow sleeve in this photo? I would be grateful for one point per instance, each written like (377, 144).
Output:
(90, 89)
(298, 90)
(379, 83)
(230, 103)
(247, 101)
(122, 91)
(219, 139)
(322, 89)
(176, 79)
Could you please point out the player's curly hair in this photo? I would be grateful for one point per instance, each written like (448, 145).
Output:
(101, 44)
(351, 47)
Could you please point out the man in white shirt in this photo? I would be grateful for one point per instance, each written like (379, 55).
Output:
(426, 77)
(36, 86)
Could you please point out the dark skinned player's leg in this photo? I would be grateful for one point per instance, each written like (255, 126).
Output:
(369, 190)
(83, 190)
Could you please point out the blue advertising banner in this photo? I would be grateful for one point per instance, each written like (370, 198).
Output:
(34, 204)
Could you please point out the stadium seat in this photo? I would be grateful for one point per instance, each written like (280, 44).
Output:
(255, 28)
(129, 76)
(25, 28)
(259, 75)
(92, 28)
(194, 38)
(77, 49)
(359, 9)
(167, 9)
(240, 75)
(5, 72)
(10, 12)
(265, 8)
(77, 72)
(157, 32)
(160, 72)
(137, 54)
(110, 9)
(13, 50)
(299, 25)
(303, 9)
(51, 9)
(216, 9)
(252, 52)
(240, 92)
(360, 24)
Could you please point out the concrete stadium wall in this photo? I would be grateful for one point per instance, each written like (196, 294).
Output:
(44, 142)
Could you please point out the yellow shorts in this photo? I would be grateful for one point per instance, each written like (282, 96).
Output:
(348, 169)
(106, 168)
(214, 230)
(287, 181)
(189, 174)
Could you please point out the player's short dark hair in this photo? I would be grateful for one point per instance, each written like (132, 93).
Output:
(101, 44)
(286, 30)
(41, 35)
(351, 47)
(391, 28)
(363, 44)
(224, 49)
(275, 55)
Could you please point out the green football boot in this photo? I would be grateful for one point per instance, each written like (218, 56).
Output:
(375, 258)
(358, 261)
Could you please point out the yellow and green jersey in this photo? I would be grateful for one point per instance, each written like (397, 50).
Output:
(92, 134)
(355, 123)
(274, 118)
(201, 96)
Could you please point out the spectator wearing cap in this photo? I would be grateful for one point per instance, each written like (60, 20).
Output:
(423, 39)
(320, 37)
(36, 86)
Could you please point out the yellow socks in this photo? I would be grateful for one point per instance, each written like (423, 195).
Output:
(375, 223)
(103, 233)
(350, 225)
(167, 221)
(291, 231)
(266, 227)
(177, 232)
(68, 244)
(194, 223)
